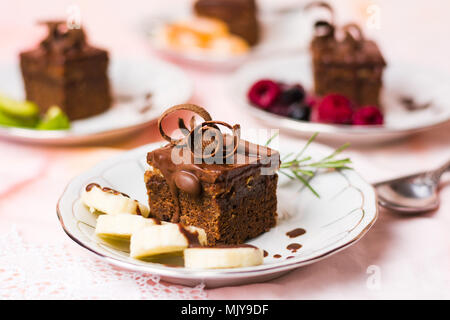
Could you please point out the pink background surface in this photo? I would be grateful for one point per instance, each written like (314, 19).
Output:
(413, 254)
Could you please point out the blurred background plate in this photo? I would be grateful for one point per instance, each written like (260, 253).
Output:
(277, 36)
(132, 80)
(400, 81)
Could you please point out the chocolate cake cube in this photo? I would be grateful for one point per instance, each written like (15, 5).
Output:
(239, 15)
(65, 71)
(352, 67)
(231, 202)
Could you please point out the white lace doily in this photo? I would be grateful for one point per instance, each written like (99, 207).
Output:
(30, 271)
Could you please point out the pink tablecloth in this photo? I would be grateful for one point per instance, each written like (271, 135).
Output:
(399, 258)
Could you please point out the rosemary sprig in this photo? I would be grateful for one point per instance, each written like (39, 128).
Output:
(303, 168)
(271, 139)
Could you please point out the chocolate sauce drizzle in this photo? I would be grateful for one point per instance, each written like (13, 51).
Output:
(294, 247)
(191, 236)
(90, 186)
(296, 232)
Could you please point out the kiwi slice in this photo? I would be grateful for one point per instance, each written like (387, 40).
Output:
(15, 108)
(11, 121)
(54, 119)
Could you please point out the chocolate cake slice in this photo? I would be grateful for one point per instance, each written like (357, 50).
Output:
(352, 66)
(66, 71)
(233, 198)
(239, 15)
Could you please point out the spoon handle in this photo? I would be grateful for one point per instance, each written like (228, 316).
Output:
(436, 175)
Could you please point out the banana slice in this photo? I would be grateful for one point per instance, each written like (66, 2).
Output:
(109, 201)
(164, 238)
(223, 257)
(121, 226)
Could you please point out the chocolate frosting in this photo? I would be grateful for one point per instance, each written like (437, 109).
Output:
(186, 165)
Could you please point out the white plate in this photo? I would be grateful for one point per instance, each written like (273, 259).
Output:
(129, 78)
(341, 216)
(276, 37)
(399, 81)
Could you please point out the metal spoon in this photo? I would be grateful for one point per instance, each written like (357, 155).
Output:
(412, 194)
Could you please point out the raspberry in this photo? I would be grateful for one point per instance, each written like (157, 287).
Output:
(335, 108)
(368, 115)
(264, 93)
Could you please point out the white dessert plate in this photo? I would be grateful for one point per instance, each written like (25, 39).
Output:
(341, 216)
(400, 81)
(276, 37)
(131, 81)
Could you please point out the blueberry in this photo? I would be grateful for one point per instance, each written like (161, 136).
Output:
(299, 112)
(292, 94)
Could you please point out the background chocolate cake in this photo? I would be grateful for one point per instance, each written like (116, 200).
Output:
(66, 71)
(239, 15)
(351, 66)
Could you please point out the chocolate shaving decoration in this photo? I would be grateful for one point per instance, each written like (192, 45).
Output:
(209, 129)
(62, 39)
(353, 34)
(192, 122)
(206, 140)
(321, 4)
(323, 28)
(181, 125)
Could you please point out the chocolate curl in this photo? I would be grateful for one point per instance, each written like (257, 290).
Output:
(323, 28)
(321, 4)
(181, 124)
(62, 39)
(196, 141)
(353, 34)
